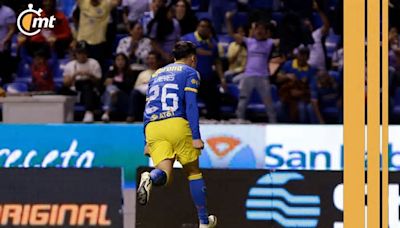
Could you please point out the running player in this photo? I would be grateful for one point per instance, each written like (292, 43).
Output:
(171, 121)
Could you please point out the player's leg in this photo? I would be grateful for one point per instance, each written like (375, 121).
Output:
(198, 192)
(161, 152)
(159, 176)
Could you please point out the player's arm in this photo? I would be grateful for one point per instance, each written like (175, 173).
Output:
(192, 110)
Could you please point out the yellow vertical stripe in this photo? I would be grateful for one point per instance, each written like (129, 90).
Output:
(354, 120)
(385, 111)
(373, 105)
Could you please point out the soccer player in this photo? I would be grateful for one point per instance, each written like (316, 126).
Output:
(171, 121)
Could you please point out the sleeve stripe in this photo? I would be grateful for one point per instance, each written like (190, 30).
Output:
(191, 89)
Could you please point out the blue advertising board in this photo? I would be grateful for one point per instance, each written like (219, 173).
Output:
(73, 145)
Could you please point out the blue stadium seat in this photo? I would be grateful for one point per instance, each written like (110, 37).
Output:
(24, 74)
(336, 75)
(316, 20)
(331, 44)
(277, 17)
(118, 38)
(240, 19)
(233, 91)
(261, 4)
(16, 87)
(195, 5)
(201, 15)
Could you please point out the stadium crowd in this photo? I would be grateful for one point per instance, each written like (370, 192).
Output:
(259, 60)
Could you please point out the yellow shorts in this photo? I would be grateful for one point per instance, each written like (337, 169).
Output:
(171, 139)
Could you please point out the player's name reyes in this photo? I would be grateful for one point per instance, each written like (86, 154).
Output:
(167, 69)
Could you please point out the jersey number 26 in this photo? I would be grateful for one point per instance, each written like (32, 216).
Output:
(165, 94)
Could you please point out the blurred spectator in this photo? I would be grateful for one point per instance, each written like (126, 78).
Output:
(134, 9)
(149, 15)
(58, 37)
(135, 46)
(93, 21)
(394, 39)
(394, 73)
(317, 54)
(394, 42)
(137, 97)
(7, 29)
(82, 75)
(296, 78)
(256, 73)
(207, 58)
(42, 75)
(337, 59)
(325, 96)
(237, 52)
(164, 31)
(186, 17)
(118, 83)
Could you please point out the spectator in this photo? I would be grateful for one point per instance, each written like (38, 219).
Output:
(137, 98)
(149, 15)
(394, 42)
(7, 29)
(164, 31)
(237, 52)
(184, 14)
(323, 97)
(207, 58)
(394, 73)
(296, 78)
(135, 46)
(134, 10)
(93, 21)
(338, 59)
(317, 54)
(42, 76)
(256, 73)
(58, 37)
(118, 84)
(82, 75)
(394, 39)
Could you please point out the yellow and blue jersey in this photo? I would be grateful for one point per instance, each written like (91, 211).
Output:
(166, 96)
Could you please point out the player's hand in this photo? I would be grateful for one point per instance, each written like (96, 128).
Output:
(198, 144)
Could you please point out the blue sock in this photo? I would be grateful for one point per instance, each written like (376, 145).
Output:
(198, 191)
(158, 177)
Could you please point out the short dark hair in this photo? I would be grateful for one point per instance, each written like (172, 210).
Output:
(183, 49)
(303, 50)
(81, 47)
